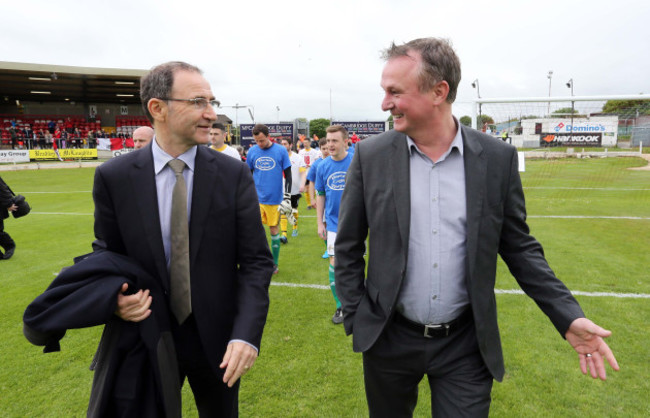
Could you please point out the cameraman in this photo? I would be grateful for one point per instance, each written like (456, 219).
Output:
(6, 205)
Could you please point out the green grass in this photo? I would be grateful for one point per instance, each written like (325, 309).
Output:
(307, 367)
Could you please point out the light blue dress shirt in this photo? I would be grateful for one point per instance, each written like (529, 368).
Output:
(165, 180)
(434, 289)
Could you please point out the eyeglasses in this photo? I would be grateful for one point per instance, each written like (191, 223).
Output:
(198, 102)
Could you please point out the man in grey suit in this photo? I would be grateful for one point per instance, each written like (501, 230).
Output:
(440, 202)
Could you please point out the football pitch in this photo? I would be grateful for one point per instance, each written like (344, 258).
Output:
(592, 217)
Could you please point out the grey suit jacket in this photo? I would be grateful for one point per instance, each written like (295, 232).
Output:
(376, 200)
(230, 262)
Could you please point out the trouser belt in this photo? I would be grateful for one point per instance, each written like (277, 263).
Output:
(436, 330)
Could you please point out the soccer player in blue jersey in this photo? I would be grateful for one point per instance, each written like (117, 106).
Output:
(330, 182)
(311, 177)
(268, 161)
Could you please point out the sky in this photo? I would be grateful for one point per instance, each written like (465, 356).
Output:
(322, 59)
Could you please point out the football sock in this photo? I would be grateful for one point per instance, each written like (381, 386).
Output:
(275, 247)
(333, 287)
(283, 225)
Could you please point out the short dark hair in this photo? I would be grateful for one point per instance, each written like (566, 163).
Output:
(219, 125)
(439, 62)
(338, 128)
(322, 142)
(260, 128)
(288, 139)
(158, 82)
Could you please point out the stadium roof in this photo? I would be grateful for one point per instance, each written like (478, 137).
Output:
(58, 83)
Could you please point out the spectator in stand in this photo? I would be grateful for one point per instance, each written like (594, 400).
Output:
(90, 140)
(14, 137)
(48, 140)
(64, 139)
(142, 137)
(69, 126)
(51, 126)
(57, 136)
(40, 139)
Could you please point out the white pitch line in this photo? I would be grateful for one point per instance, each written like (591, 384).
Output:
(497, 291)
(307, 286)
(581, 293)
(587, 188)
(634, 218)
(61, 213)
(78, 191)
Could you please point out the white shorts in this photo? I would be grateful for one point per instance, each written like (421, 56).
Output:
(331, 238)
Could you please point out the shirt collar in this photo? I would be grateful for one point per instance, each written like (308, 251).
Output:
(456, 143)
(161, 158)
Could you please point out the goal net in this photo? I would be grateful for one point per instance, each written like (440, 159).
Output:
(578, 121)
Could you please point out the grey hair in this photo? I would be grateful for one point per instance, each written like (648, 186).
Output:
(439, 62)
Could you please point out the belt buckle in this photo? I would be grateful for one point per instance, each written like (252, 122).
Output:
(436, 327)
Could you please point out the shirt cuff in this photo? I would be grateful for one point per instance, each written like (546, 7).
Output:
(245, 342)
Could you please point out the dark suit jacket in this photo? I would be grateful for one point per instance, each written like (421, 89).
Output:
(6, 199)
(230, 262)
(377, 198)
(133, 360)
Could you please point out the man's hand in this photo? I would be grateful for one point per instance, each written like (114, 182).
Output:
(587, 339)
(134, 308)
(322, 231)
(238, 360)
(12, 208)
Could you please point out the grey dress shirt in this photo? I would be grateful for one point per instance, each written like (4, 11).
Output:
(434, 289)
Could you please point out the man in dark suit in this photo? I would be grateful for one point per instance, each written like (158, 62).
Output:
(440, 202)
(6, 206)
(230, 264)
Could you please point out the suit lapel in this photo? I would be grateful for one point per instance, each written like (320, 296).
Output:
(475, 172)
(400, 180)
(143, 180)
(205, 184)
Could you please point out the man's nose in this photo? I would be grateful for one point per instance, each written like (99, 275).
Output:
(386, 104)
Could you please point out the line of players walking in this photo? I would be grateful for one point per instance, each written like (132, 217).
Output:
(281, 176)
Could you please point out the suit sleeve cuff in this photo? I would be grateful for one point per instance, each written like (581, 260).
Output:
(245, 342)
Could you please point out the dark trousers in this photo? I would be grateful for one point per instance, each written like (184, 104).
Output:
(295, 198)
(459, 380)
(5, 240)
(213, 397)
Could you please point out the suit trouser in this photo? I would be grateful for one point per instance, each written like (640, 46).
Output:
(5, 240)
(459, 380)
(213, 397)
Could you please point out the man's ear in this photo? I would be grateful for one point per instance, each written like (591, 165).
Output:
(158, 109)
(440, 92)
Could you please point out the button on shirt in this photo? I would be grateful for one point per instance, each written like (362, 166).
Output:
(165, 180)
(434, 289)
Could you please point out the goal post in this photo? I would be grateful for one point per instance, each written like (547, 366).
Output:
(580, 121)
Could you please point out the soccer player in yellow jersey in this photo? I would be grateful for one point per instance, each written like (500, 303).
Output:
(218, 139)
(298, 172)
(309, 155)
